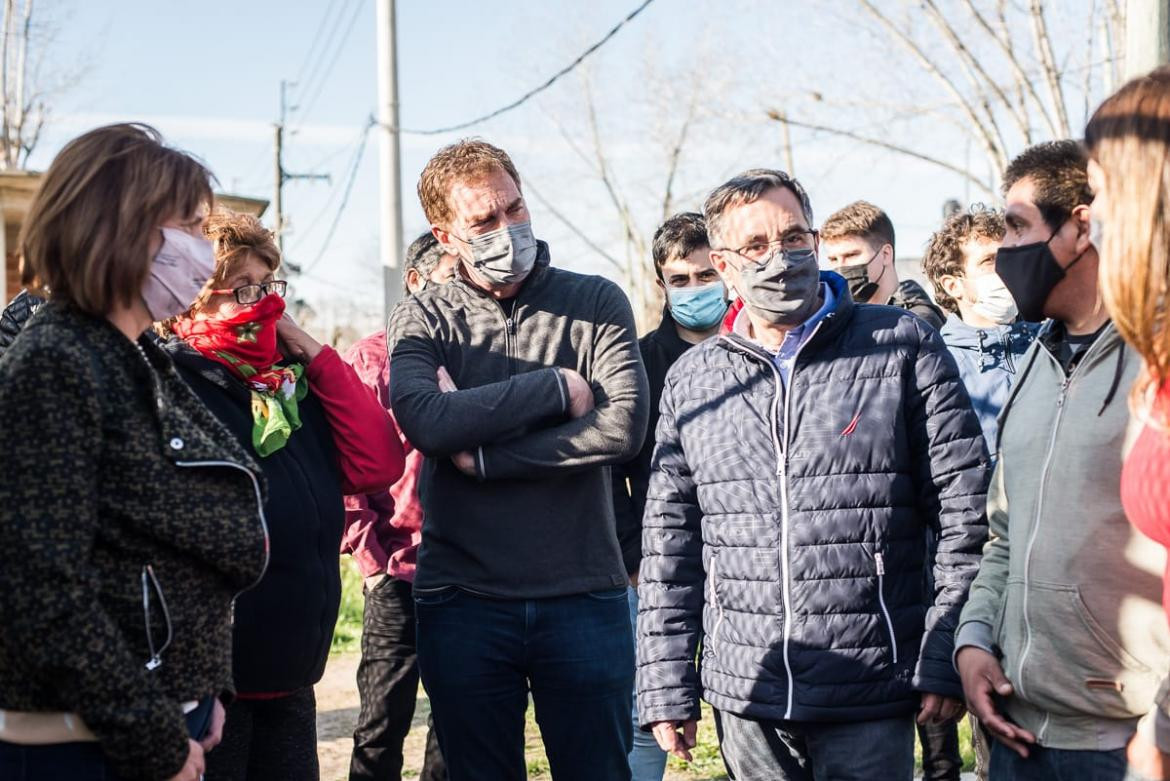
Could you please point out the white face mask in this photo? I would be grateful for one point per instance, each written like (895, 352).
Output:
(178, 273)
(993, 300)
(504, 256)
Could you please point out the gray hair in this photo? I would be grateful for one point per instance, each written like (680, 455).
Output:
(745, 188)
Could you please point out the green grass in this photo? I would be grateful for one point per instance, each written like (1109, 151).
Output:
(347, 635)
(707, 765)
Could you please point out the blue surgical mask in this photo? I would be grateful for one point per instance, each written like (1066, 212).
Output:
(697, 308)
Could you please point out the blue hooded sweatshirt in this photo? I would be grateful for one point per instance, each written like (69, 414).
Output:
(988, 359)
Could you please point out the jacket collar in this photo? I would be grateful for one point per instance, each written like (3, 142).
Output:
(830, 326)
(535, 280)
(666, 334)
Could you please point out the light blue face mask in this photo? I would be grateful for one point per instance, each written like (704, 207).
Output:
(698, 308)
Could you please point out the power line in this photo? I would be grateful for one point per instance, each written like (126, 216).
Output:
(353, 171)
(353, 149)
(308, 105)
(304, 70)
(531, 93)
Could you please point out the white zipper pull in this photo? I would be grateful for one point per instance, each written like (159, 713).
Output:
(881, 563)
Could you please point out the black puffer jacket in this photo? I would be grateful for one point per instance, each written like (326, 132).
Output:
(788, 530)
(283, 627)
(118, 486)
(15, 315)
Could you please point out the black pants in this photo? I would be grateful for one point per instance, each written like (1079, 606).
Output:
(941, 760)
(387, 680)
(268, 739)
(56, 762)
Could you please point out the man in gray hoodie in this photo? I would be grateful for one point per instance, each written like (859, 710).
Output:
(521, 383)
(1062, 644)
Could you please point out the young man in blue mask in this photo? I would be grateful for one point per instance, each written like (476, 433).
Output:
(800, 460)
(696, 301)
(1063, 644)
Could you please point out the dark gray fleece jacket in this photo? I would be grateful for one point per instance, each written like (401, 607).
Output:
(537, 520)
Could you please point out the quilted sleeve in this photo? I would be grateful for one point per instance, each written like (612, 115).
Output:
(951, 469)
(670, 585)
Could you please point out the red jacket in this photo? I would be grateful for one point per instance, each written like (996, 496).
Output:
(383, 529)
(1145, 482)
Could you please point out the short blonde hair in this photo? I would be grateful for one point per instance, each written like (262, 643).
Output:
(1129, 137)
(86, 239)
(465, 160)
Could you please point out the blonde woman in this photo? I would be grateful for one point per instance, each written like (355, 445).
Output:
(129, 515)
(1129, 169)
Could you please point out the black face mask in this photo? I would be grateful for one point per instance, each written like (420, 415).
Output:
(857, 276)
(1030, 273)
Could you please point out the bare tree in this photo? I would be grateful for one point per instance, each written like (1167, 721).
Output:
(1003, 81)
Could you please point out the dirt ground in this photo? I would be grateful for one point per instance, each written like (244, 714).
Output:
(337, 712)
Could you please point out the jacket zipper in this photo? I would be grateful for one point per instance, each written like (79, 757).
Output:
(259, 510)
(881, 573)
(715, 599)
(781, 445)
(149, 581)
(1044, 471)
(509, 333)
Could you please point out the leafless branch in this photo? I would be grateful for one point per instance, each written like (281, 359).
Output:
(1051, 74)
(891, 147)
(555, 212)
(977, 74)
(982, 132)
(1023, 81)
(675, 152)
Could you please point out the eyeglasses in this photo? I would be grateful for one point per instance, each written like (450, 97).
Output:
(250, 294)
(760, 251)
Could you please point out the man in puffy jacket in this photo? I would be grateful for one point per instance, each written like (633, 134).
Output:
(801, 459)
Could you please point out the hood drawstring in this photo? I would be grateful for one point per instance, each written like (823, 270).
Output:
(1117, 372)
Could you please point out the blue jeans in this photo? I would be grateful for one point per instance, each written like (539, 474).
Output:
(1052, 764)
(57, 762)
(480, 657)
(647, 760)
(756, 750)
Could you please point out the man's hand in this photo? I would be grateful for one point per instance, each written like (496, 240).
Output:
(580, 393)
(982, 677)
(465, 461)
(673, 741)
(937, 709)
(634, 580)
(1146, 761)
(194, 766)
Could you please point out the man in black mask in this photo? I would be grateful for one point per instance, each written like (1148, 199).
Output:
(1062, 645)
(858, 244)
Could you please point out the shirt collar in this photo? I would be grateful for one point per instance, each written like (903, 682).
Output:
(743, 324)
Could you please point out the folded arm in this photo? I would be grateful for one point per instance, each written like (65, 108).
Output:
(610, 433)
(443, 424)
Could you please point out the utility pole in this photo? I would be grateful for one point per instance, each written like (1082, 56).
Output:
(389, 160)
(1147, 36)
(282, 176)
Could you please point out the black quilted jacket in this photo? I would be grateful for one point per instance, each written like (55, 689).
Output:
(15, 315)
(787, 531)
(127, 513)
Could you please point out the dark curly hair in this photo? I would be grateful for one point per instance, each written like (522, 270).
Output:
(944, 251)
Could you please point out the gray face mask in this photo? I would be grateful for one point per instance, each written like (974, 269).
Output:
(505, 256)
(783, 289)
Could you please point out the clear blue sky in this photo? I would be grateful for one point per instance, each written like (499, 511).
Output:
(207, 75)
